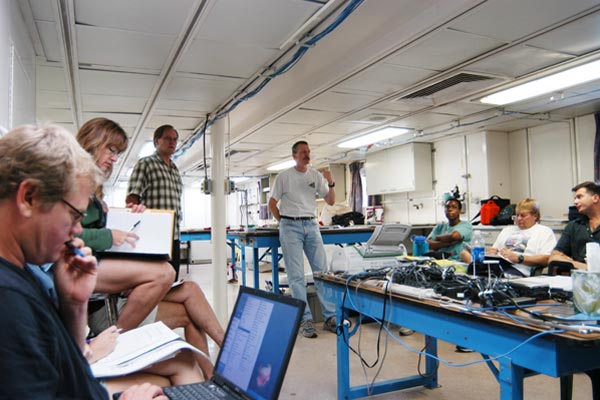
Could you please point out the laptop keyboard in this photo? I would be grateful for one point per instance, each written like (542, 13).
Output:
(197, 391)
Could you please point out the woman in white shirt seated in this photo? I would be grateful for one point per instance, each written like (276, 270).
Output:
(526, 244)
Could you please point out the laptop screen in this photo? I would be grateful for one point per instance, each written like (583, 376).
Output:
(258, 343)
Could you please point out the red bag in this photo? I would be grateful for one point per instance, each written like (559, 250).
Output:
(488, 211)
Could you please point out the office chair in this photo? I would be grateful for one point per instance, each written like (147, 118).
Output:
(110, 301)
(537, 270)
(560, 268)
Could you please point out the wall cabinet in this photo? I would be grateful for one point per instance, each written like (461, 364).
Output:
(403, 168)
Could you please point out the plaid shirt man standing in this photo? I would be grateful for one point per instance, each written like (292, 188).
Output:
(156, 183)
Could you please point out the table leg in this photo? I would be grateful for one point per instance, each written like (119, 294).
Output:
(256, 266)
(243, 257)
(510, 380)
(275, 268)
(343, 358)
(431, 365)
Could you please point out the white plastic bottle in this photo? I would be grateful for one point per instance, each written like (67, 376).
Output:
(477, 248)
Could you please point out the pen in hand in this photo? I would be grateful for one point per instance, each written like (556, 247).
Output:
(135, 225)
(74, 249)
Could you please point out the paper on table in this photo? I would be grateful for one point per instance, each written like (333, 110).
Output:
(139, 348)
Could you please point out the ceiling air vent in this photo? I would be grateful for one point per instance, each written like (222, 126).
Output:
(445, 84)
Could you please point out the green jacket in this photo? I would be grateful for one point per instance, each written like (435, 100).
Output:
(95, 234)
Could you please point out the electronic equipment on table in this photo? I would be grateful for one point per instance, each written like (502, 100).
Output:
(381, 251)
(386, 241)
(425, 279)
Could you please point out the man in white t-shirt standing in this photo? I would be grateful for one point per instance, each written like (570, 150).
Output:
(293, 204)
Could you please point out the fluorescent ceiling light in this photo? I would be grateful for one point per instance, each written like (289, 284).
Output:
(373, 137)
(147, 149)
(561, 80)
(282, 165)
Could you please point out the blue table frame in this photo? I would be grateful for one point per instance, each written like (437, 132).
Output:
(269, 239)
(556, 355)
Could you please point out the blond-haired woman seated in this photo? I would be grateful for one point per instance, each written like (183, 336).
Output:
(527, 244)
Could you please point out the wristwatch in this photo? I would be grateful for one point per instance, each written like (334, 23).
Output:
(331, 184)
(521, 258)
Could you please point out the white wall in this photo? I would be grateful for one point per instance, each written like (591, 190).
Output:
(543, 162)
(548, 160)
(17, 68)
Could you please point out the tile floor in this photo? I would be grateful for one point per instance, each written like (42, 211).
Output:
(312, 370)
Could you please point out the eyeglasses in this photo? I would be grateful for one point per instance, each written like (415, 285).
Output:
(514, 217)
(113, 151)
(77, 215)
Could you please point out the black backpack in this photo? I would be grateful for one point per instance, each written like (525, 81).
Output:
(349, 218)
(505, 215)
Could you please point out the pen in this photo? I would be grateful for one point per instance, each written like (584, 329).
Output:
(74, 249)
(135, 225)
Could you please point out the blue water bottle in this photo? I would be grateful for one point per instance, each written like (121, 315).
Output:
(477, 250)
(420, 246)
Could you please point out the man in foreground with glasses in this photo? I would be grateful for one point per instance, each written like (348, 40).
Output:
(449, 237)
(46, 180)
(526, 245)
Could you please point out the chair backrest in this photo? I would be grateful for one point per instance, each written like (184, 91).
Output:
(560, 268)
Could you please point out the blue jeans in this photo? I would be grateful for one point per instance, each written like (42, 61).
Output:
(297, 237)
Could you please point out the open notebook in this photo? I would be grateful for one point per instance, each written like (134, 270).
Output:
(386, 240)
(256, 351)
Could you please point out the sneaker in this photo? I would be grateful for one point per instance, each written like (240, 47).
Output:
(460, 349)
(330, 325)
(405, 331)
(307, 329)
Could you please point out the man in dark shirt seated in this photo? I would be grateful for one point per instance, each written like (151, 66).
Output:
(586, 228)
(46, 180)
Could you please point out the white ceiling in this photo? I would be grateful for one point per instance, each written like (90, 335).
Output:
(145, 63)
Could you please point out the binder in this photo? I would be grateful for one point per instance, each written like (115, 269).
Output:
(154, 228)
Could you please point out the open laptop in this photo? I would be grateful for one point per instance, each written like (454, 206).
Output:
(386, 240)
(256, 350)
